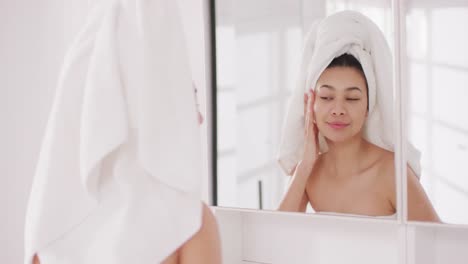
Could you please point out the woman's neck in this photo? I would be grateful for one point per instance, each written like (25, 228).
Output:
(345, 158)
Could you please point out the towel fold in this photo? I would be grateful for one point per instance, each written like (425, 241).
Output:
(353, 33)
(118, 177)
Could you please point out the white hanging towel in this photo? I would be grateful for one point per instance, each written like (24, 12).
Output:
(353, 33)
(118, 178)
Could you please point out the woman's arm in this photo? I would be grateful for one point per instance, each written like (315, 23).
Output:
(205, 246)
(419, 205)
(296, 198)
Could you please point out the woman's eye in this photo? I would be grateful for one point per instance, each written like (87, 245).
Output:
(326, 98)
(353, 99)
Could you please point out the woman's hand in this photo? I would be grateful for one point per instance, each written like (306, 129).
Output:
(296, 199)
(311, 147)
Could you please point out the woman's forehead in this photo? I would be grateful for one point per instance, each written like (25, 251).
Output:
(346, 89)
(341, 78)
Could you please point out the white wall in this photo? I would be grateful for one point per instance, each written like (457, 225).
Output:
(32, 43)
(437, 63)
(33, 38)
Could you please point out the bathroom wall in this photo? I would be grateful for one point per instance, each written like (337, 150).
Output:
(33, 37)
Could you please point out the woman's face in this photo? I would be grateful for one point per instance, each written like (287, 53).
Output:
(341, 103)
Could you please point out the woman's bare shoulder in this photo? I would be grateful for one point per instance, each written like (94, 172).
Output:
(382, 159)
(385, 177)
(384, 171)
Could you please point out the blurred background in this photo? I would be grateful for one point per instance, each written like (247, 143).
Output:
(258, 49)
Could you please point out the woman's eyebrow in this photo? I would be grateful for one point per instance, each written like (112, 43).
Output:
(353, 88)
(347, 89)
(327, 86)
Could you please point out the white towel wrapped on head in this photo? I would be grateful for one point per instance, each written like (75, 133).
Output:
(118, 178)
(353, 33)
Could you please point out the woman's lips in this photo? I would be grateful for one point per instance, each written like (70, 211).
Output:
(337, 125)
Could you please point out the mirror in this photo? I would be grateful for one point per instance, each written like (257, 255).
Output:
(437, 120)
(258, 55)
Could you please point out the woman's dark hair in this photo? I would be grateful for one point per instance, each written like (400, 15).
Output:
(348, 60)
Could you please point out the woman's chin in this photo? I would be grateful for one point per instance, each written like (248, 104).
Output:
(337, 138)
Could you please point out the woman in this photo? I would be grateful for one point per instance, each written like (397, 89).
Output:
(354, 176)
(204, 246)
(118, 177)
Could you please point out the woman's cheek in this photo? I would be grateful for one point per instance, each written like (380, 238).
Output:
(319, 110)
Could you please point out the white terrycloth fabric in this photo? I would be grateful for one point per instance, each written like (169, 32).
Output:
(353, 33)
(119, 171)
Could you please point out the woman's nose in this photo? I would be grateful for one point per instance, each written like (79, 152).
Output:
(338, 110)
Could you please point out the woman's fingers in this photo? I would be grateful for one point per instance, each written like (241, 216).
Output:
(311, 104)
(310, 131)
(313, 124)
(306, 101)
(316, 132)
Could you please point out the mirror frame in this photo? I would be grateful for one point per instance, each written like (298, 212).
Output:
(213, 115)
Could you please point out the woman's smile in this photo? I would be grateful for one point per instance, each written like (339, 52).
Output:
(338, 125)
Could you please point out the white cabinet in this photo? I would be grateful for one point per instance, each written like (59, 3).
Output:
(250, 236)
